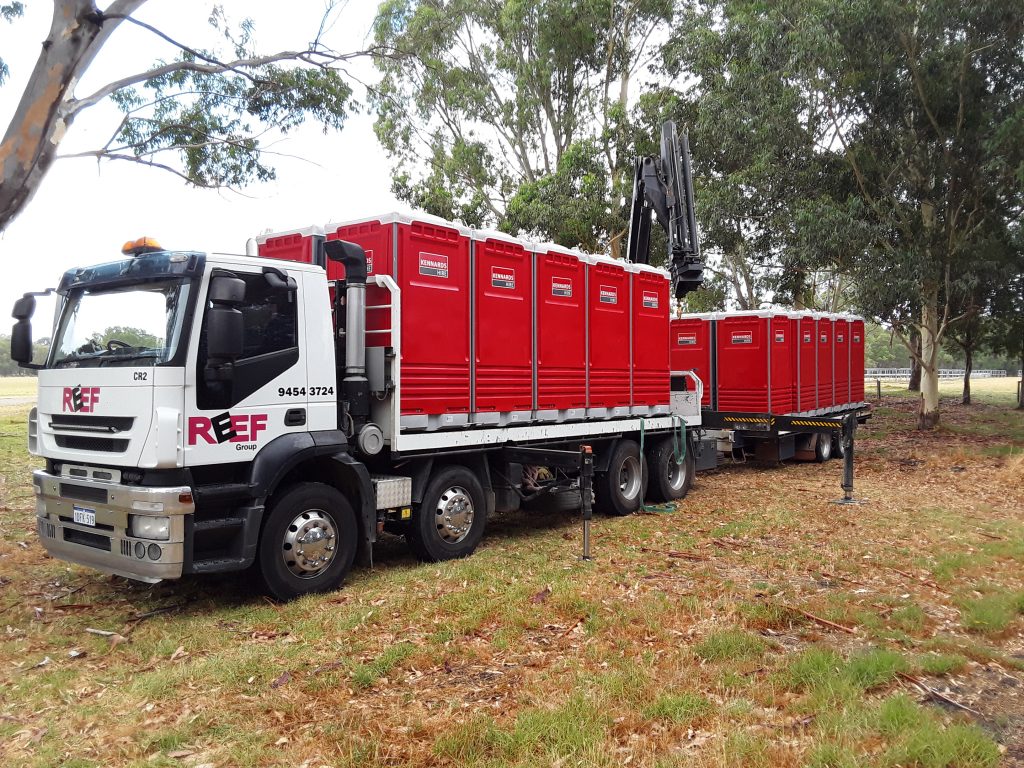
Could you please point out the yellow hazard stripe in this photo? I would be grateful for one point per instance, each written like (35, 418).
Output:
(802, 423)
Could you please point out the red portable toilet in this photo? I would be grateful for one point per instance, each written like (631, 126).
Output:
(561, 334)
(502, 330)
(608, 319)
(376, 236)
(756, 362)
(690, 350)
(651, 380)
(302, 245)
(741, 361)
(807, 363)
(826, 376)
(857, 345)
(841, 352)
(430, 262)
(782, 361)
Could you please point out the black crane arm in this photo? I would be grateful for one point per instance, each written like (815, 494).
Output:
(663, 186)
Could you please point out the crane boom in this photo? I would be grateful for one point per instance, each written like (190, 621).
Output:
(663, 186)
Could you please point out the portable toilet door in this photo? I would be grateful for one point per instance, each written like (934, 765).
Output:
(690, 350)
(502, 330)
(807, 355)
(608, 322)
(826, 374)
(857, 345)
(742, 367)
(782, 358)
(650, 332)
(841, 351)
(561, 334)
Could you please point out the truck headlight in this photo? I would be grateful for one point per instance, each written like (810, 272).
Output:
(146, 527)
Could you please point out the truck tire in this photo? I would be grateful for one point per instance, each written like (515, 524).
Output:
(838, 451)
(669, 481)
(823, 447)
(450, 521)
(620, 491)
(308, 542)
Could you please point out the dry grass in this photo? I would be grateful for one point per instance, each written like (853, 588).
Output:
(683, 643)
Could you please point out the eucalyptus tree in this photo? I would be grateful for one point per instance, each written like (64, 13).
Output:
(515, 112)
(200, 115)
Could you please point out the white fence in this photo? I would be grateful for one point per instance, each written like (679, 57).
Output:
(944, 373)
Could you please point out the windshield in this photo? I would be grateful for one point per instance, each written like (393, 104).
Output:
(126, 325)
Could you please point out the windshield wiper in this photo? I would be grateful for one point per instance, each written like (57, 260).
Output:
(147, 354)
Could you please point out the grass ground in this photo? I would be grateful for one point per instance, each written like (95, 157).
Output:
(756, 625)
(17, 386)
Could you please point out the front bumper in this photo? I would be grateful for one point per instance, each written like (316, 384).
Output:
(107, 545)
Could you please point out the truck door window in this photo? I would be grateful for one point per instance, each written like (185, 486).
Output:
(270, 344)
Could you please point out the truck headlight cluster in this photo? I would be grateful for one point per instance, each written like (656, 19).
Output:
(146, 527)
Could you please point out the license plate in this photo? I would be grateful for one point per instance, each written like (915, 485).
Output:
(85, 516)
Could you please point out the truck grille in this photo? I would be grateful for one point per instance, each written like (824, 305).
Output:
(93, 540)
(65, 422)
(90, 443)
(83, 493)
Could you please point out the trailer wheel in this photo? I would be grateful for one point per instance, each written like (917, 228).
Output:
(620, 490)
(669, 480)
(309, 541)
(450, 521)
(822, 447)
(838, 451)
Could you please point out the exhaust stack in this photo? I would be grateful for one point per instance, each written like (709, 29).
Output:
(354, 386)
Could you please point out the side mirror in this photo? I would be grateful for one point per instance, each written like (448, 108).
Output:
(24, 307)
(225, 330)
(224, 334)
(21, 342)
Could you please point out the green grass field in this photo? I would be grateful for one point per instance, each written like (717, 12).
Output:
(756, 625)
(17, 386)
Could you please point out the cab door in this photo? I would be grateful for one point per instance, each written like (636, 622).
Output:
(230, 416)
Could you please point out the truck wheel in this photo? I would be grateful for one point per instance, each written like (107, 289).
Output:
(620, 490)
(822, 447)
(309, 541)
(669, 480)
(450, 521)
(838, 451)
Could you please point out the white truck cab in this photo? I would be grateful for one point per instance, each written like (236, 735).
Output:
(139, 432)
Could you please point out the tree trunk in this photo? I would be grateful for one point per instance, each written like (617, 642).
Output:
(928, 416)
(915, 363)
(77, 32)
(968, 367)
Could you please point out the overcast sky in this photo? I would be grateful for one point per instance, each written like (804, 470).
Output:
(84, 212)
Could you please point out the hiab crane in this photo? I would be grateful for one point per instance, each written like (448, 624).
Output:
(396, 373)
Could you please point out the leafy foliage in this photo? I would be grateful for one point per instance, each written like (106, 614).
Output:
(8, 12)
(503, 113)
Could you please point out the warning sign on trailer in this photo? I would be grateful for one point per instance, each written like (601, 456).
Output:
(369, 262)
(434, 265)
(746, 337)
(651, 299)
(608, 294)
(503, 277)
(561, 286)
(686, 339)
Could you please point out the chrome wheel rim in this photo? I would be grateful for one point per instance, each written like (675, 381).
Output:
(676, 473)
(308, 545)
(454, 514)
(629, 478)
